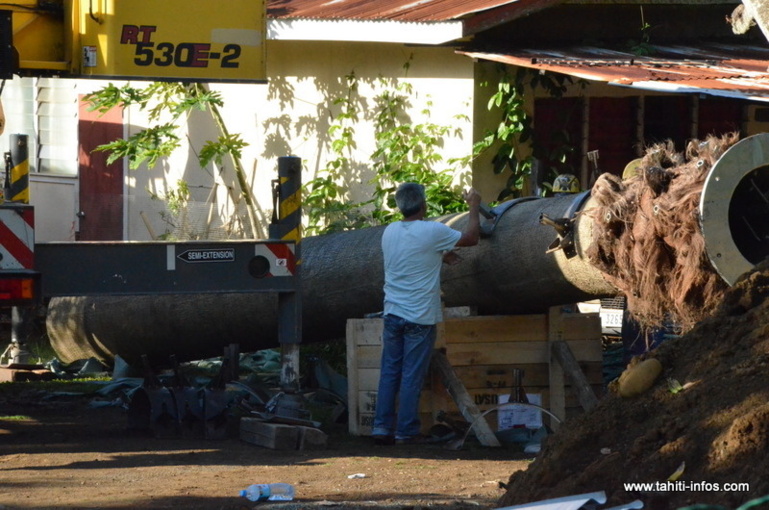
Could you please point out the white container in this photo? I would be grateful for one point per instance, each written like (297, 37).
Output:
(268, 492)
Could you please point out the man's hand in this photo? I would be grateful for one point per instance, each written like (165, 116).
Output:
(451, 258)
(471, 232)
(472, 197)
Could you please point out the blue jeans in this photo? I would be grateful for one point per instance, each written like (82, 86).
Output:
(406, 352)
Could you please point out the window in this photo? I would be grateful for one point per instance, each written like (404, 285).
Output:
(44, 109)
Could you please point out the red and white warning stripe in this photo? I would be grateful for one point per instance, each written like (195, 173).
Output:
(17, 238)
(281, 256)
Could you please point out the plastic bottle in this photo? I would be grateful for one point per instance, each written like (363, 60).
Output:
(268, 492)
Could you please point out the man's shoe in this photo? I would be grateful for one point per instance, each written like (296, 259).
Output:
(418, 439)
(383, 440)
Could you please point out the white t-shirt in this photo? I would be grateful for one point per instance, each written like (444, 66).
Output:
(413, 253)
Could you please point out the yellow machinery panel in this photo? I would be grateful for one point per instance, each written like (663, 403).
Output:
(196, 40)
(33, 37)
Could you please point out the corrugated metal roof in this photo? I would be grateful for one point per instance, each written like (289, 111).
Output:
(400, 10)
(715, 69)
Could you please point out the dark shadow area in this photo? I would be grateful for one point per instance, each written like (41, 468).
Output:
(88, 454)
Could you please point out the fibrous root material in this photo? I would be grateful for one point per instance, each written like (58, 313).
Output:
(647, 237)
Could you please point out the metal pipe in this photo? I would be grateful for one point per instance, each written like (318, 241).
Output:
(734, 206)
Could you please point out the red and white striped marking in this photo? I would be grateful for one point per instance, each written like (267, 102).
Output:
(17, 238)
(281, 257)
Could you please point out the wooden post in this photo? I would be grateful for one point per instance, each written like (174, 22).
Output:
(562, 353)
(463, 399)
(557, 384)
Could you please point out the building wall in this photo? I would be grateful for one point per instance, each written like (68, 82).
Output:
(291, 115)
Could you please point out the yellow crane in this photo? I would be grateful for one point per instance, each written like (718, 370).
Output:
(196, 40)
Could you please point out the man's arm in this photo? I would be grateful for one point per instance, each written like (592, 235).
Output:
(472, 231)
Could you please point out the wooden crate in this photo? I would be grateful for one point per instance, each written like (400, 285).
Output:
(484, 351)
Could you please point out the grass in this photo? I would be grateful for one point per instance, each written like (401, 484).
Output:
(81, 385)
(15, 417)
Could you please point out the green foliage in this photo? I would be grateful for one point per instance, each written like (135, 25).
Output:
(177, 100)
(217, 150)
(148, 145)
(333, 352)
(409, 152)
(103, 100)
(405, 151)
(324, 198)
(177, 198)
(26, 389)
(176, 201)
(643, 47)
(515, 128)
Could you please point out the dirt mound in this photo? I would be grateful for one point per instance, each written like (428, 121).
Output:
(717, 425)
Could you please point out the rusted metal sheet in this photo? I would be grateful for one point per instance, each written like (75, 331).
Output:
(729, 70)
(399, 10)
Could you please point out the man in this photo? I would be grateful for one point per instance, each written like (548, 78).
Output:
(413, 250)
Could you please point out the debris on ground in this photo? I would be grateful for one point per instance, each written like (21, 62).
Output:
(204, 398)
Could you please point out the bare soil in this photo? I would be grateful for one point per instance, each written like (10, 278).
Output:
(60, 453)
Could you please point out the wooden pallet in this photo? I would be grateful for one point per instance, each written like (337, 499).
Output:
(16, 372)
(483, 351)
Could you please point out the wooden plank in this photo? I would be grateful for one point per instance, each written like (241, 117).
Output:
(519, 328)
(580, 386)
(366, 401)
(365, 408)
(457, 312)
(276, 436)
(364, 425)
(463, 400)
(19, 375)
(534, 374)
(557, 404)
(581, 326)
(365, 331)
(440, 336)
(368, 356)
(496, 328)
(490, 328)
(353, 377)
(486, 399)
(438, 398)
(311, 438)
(517, 353)
(368, 379)
(571, 412)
